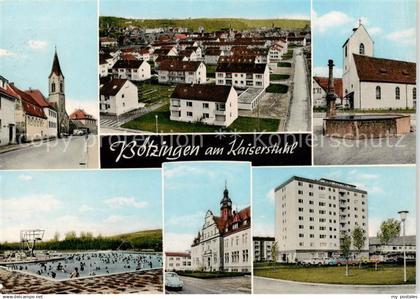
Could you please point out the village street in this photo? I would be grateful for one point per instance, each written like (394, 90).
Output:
(227, 285)
(74, 152)
(298, 120)
(275, 286)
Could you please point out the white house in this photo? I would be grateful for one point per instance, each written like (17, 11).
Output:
(319, 92)
(224, 242)
(182, 72)
(118, 96)
(108, 42)
(394, 247)
(134, 70)
(375, 83)
(275, 53)
(7, 114)
(263, 248)
(209, 104)
(177, 261)
(211, 56)
(243, 75)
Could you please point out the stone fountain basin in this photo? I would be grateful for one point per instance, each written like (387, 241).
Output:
(367, 126)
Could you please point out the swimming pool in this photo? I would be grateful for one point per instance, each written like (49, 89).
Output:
(82, 265)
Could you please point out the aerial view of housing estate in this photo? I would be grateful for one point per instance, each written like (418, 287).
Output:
(48, 115)
(207, 241)
(326, 226)
(364, 91)
(204, 73)
(107, 240)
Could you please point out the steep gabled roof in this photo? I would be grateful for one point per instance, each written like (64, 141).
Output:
(56, 69)
(112, 87)
(39, 98)
(371, 69)
(30, 106)
(180, 66)
(128, 64)
(79, 114)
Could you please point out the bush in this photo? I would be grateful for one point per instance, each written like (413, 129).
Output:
(277, 88)
(284, 64)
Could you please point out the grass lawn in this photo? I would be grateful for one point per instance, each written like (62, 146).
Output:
(153, 93)
(288, 55)
(211, 70)
(147, 123)
(386, 275)
(205, 275)
(284, 64)
(277, 88)
(279, 77)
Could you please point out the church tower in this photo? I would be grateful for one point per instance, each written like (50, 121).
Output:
(56, 95)
(359, 43)
(225, 205)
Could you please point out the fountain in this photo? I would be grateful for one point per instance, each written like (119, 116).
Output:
(360, 126)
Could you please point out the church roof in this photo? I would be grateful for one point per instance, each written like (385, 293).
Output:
(56, 69)
(371, 69)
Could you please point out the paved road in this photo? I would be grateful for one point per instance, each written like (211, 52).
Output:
(299, 107)
(274, 286)
(336, 151)
(74, 152)
(229, 285)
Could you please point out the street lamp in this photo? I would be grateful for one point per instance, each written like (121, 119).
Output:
(157, 128)
(403, 215)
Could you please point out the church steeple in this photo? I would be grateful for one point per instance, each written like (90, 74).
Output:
(225, 204)
(56, 69)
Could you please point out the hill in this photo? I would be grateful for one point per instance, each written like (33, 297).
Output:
(210, 24)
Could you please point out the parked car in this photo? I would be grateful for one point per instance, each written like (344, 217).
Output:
(312, 262)
(173, 281)
(343, 261)
(331, 261)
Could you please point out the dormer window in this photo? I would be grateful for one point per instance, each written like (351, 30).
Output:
(362, 49)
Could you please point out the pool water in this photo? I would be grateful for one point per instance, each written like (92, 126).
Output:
(91, 264)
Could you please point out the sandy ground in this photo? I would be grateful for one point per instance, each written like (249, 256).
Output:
(135, 282)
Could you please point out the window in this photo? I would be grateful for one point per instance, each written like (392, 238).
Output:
(205, 105)
(362, 49)
(189, 114)
(53, 87)
(378, 92)
(206, 115)
(189, 104)
(61, 87)
(414, 93)
(345, 51)
(397, 93)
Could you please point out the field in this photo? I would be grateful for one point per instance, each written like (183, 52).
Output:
(150, 240)
(367, 275)
(147, 123)
(210, 24)
(288, 55)
(284, 64)
(152, 93)
(211, 69)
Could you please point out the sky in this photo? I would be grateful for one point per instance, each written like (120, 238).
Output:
(31, 30)
(193, 188)
(253, 9)
(390, 189)
(105, 202)
(390, 23)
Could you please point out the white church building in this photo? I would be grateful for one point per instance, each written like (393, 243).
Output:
(375, 83)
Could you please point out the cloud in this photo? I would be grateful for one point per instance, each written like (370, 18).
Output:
(322, 71)
(26, 206)
(270, 196)
(37, 44)
(6, 53)
(25, 178)
(118, 202)
(182, 170)
(178, 242)
(405, 37)
(295, 17)
(191, 220)
(374, 30)
(330, 20)
(85, 208)
(263, 229)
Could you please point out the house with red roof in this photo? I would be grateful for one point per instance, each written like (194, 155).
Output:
(320, 88)
(224, 242)
(50, 112)
(84, 121)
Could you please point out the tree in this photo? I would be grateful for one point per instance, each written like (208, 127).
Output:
(56, 237)
(388, 230)
(345, 250)
(274, 253)
(70, 235)
(359, 240)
